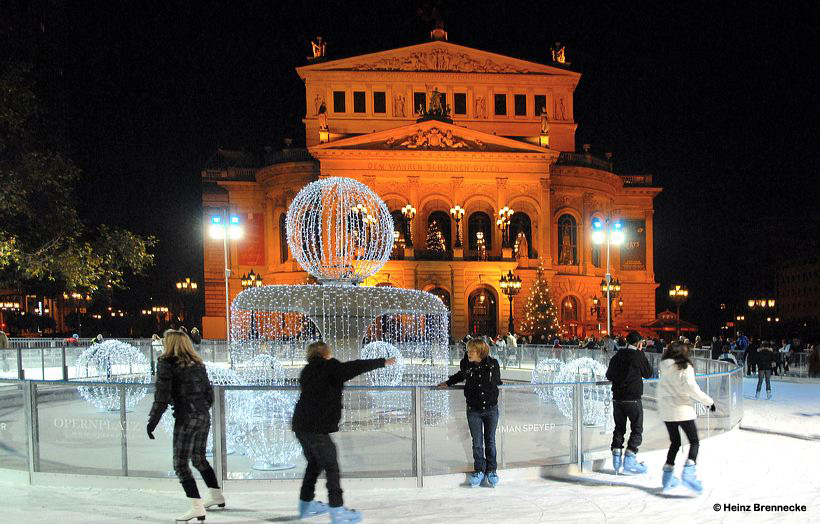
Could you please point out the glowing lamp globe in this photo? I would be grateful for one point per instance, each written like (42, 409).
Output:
(339, 230)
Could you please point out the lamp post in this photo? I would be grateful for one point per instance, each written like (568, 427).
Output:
(678, 295)
(77, 299)
(611, 233)
(187, 288)
(503, 222)
(510, 286)
(251, 280)
(223, 227)
(762, 305)
(408, 212)
(457, 213)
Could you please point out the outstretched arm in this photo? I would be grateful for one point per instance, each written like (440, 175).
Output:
(354, 368)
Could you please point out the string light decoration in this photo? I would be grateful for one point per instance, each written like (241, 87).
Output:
(540, 314)
(597, 399)
(115, 362)
(546, 372)
(339, 230)
(435, 242)
(387, 403)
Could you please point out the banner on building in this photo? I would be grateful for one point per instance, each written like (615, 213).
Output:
(633, 250)
(252, 245)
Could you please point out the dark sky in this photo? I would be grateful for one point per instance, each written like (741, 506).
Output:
(715, 100)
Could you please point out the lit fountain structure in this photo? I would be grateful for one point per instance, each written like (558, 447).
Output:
(341, 233)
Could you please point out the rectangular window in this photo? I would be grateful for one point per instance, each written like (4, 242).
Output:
(500, 104)
(540, 104)
(379, 102)
(338, 101)
(520, 102)
(460, 103)
(419, 101)
(359, 102)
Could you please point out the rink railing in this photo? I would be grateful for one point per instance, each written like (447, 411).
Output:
(49, 431)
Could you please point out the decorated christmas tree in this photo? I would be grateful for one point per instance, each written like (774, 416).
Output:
(435, 239)
(540, 314)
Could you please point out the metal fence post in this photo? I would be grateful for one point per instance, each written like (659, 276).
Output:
(218, 429)
(21, 373)
(123, 431)
(578, 424)
(42, 364)
(418, 433)
(32, 429)
(65, 366)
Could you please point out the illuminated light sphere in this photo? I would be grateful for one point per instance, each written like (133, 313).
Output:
(114, 362)
(264, 430)
(262, 370)
(597, 399)
(388, 375)
(339, 230)
(546, 372)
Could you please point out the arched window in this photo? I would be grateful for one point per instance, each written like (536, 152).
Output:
(567, 241)
(482, 310)
(569, 311)
(442, 294)
(521, 224)
(442, 221)
(479, 221)
(596, 255)
(399, 223)
(283, 239)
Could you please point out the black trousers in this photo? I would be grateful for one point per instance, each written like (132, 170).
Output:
(320, 453)
(633, 411)
(190, 439)
(691, 430)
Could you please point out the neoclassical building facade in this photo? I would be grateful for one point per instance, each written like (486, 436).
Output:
(493, 149)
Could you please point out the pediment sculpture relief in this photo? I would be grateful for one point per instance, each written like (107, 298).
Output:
(438, 59)
(433, 138)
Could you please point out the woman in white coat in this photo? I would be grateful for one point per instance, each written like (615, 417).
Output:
(677, 392)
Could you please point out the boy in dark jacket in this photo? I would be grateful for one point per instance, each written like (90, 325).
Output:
(316, 415)
(627, 369)
(482, 376)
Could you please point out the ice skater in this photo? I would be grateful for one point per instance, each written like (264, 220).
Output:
(316, 415)
(765, 356)
(482, 376)
(677, 389)
(627, 369)
(182, 381)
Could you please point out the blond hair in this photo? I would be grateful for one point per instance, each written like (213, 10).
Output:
(317, 349)
(481, 348)
(178, 344)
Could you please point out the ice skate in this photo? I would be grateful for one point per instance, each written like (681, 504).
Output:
(757, 395)
(689, 478)
(768, 395)
(215, 498)
(492, 479)
(476, 479)
(311, 508)
(669, 479)
(342, 515)
(632, 466)
(197, 511)
(616, 460)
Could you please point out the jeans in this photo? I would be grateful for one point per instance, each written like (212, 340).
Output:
(764, 373)
(483, 423)
(320, 453)
(621, 411)
(688, 427)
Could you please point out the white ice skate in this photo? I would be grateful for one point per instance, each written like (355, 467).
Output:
(215, 498)
(197, 511)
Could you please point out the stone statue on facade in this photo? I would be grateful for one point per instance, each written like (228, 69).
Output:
(545, 122)
(317, 104)
(323, 125)
(398, 106)
(559, 109)
(566, 258)
(319, 47)
(480, 107)
(522, 248)
(559, 53)
(452, 142)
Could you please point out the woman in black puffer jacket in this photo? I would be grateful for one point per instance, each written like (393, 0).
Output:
(765, 357)
(182, 381)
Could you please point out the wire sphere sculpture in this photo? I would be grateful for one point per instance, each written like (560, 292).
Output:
(339, 230)
(262, 370)
(597, 399)
(388, 375)
(546, 372)
(264, 429)
(115, 362)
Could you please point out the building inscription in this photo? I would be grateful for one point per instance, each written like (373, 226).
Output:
(432, 166)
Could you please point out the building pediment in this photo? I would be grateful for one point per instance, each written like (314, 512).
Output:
(433, 135)
(440, 57)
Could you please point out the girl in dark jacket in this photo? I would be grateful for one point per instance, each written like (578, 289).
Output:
(182, 381)
(482, 377)
(765, 357)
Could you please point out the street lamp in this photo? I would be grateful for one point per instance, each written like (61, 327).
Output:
(251, 280)
(224, 227)
(457, 213)
(678, 295)
(77, 299)
(187, 286)
(408, 212)
(609, 233)
(510, 286)
(503, 222)
(761, 304)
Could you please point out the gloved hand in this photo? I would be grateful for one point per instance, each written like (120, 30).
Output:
(713, 408)
(150, 429)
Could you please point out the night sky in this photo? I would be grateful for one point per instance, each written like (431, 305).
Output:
(716, 102)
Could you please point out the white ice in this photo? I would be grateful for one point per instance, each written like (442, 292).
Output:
(740, 467)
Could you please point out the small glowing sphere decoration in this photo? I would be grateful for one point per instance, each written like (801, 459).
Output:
(388, 375)
(339, 230)
(264, 429)
(546, 372)
(263, 370)
(115, 362)
(597, 399)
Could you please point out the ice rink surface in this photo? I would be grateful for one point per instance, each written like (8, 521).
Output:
(738, 468)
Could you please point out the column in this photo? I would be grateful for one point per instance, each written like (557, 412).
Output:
(545, 223)
(649, 215)
(501, 201)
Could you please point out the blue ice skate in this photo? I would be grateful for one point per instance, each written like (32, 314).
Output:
(476, 479)
(669, 479)
(492, 479)
(311, 508)
(690, 480)
(342, 515)
(616, 460)
(632, 466)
